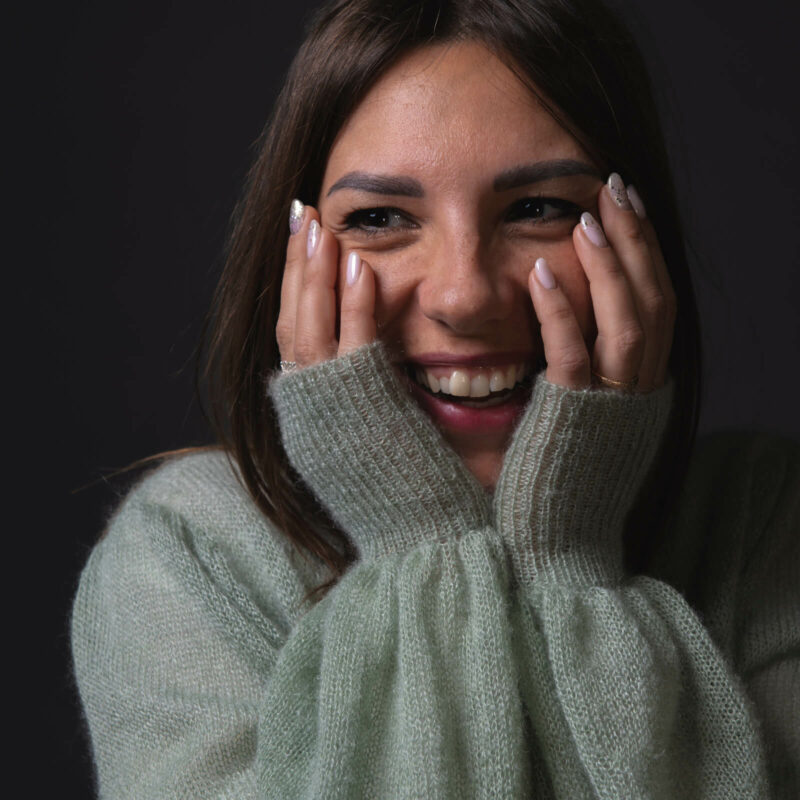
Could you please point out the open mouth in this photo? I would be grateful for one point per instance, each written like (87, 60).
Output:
(473, 400)
(473, 388)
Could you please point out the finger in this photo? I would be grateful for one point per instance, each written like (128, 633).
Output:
(299, 219)
(315, 324)
(665, 282)
(626, 234)
(357, 324)
(564, 349)
(618, 349)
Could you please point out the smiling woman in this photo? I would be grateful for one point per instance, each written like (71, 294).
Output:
(450, 220)
(457, 541)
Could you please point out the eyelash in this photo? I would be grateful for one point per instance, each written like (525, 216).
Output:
(361, 219)
(518, 210)
(364, 219)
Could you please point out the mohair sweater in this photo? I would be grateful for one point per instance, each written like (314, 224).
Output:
(481, 646)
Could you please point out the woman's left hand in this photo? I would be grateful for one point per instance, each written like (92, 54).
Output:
(632, 295)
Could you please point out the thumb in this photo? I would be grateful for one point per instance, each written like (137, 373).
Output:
(357, 324)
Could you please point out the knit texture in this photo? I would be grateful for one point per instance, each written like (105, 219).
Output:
(570, 478)
(377, 463)
(479, 647)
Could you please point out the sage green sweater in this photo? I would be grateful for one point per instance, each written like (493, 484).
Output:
(480, 647)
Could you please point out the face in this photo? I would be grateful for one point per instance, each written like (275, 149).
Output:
(450, 180)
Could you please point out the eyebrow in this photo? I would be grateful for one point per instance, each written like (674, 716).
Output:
(542, 171)
(524, 175)
(379, 184)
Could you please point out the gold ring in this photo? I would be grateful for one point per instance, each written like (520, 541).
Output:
(622, 386)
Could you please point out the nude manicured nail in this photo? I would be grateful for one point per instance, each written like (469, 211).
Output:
(543, 274)
(313, 237)
(616, 188)
(636, 202)
(296, 213)
(353, 268)
(594, 233)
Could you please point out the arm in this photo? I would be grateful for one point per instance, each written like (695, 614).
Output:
(619, 669)
(181, 611)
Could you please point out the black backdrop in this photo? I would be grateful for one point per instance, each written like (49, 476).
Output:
(139, 120)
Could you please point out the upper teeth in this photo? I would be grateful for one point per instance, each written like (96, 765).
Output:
(471, 383)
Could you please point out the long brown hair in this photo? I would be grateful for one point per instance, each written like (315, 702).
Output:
(576, 54)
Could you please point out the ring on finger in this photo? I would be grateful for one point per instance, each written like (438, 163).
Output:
(288, 366)
(610, 383)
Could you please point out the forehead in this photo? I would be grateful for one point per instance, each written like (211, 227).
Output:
(443, 109)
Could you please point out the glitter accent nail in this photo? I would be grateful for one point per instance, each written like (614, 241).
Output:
(616, 188)
(296, 213)
(594, 233)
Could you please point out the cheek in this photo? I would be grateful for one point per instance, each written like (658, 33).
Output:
(396, 278)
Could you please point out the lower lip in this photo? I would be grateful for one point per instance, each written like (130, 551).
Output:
(465, 419)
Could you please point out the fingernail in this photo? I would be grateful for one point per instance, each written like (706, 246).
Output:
(353, 268)
(543, 274)
(616, 188)
(296, 213)
(636, 202)
(313, 237)
(594, 233)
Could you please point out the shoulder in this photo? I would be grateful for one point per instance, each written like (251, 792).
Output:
(191, 525)
(733, 540)
(204, 491)
(185, 602)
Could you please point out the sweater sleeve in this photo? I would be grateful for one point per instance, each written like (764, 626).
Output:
(617, 670)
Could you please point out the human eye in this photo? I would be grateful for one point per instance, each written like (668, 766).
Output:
(542, 210)
(372, 221)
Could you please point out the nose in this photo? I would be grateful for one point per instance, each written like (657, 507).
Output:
(463, 289)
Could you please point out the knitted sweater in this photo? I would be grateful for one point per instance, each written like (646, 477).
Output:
(480, 647)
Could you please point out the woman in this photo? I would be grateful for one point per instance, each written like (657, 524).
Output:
(418, 567)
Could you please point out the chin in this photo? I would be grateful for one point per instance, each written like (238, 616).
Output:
(479, 436)
(484, 466)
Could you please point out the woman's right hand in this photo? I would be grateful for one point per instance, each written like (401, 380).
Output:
(310, 314)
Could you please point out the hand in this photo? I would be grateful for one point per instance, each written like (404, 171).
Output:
(633, 299)
(309, 317)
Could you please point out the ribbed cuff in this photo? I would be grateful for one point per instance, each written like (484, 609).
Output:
(574, 467)
(373, 459)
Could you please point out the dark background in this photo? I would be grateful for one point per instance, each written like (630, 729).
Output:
(139, 119)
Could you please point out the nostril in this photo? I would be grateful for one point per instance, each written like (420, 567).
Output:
(466, 304)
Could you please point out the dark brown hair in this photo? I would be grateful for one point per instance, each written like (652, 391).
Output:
(575, 54)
